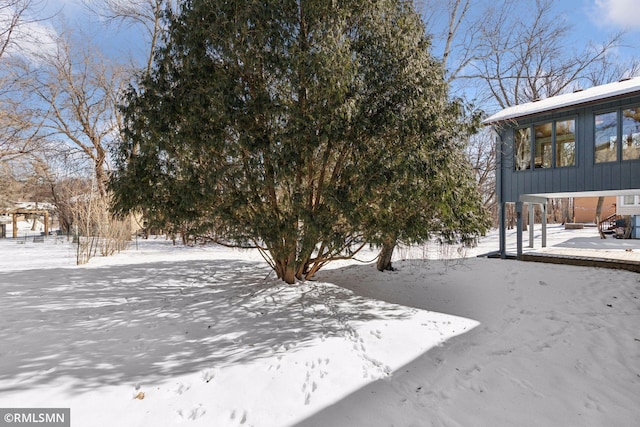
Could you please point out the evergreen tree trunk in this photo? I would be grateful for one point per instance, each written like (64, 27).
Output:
(284, 263)
(289, 275)
(286, 271)
(384, 258)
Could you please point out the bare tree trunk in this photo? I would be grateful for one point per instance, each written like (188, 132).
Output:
(566, 214)
(598, 214)
(628, 227)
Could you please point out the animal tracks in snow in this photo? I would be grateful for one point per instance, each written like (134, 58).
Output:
(376, 334)
(181, 388)
(191, 414)
(316, 372)
(275, 366)
(238, 417)
(208, 375)
(371, 368)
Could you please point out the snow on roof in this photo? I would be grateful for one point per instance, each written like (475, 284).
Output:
(553, 103)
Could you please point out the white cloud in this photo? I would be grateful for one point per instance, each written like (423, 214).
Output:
(29, 37)
(35, 39)
(621, 13)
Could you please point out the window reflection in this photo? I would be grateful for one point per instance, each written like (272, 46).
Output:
(606, 142)
(543, 143)
(523, 149)
(554, 145)
(565, 143)
(631, 134)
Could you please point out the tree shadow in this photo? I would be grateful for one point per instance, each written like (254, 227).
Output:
(148, 322)
(412, 277)
(418, 283)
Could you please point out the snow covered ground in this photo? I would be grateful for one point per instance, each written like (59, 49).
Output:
(163, 335)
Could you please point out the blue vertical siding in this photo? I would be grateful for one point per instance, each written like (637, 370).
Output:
(585, 175)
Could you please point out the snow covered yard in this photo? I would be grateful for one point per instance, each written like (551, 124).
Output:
(207, 336)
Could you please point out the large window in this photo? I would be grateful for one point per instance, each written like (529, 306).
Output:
(617, 131)
(606, 149)
(631, 134)
(522, 149)
(543, 143)
(554, 145)
(565, 143)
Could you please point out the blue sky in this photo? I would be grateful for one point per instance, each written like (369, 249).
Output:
(596, 19)
(591, 20)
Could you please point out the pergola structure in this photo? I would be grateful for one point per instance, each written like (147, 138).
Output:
(16, 212)
(580, 144)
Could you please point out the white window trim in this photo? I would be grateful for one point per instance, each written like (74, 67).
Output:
(636, 201)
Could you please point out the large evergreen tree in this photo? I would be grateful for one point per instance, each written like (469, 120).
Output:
(305, 128)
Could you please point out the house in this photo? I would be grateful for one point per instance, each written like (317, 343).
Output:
(581, 144)
(628, 205)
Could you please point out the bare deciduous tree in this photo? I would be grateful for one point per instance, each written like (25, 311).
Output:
(518, 50)
(481, 152)
(146, 14)
(611, 70)
(58, 100)
(76, 91)
(530, 56)
(18, 137)
(12, 13)
(453, 24)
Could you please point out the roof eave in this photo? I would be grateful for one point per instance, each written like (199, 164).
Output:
(589, 99)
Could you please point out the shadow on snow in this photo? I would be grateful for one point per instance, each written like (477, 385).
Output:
(149, 322)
